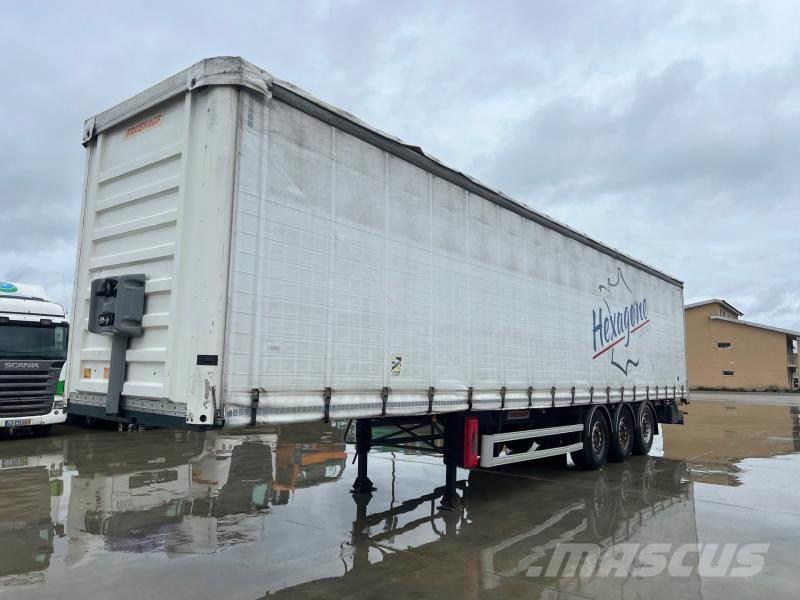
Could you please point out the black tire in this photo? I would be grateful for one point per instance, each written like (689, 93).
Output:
(596, 440)
(645, 429)
(624, 432)
(94, 423)
(41, 430)
(76, 420)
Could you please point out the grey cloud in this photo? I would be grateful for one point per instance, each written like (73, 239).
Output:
(695, 171)
(681, 127)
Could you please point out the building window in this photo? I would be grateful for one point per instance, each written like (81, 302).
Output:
(723, 344)
(728, 373)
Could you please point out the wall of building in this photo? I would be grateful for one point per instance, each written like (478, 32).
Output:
(756, 356)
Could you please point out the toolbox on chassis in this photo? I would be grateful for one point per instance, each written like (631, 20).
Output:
(249, 254)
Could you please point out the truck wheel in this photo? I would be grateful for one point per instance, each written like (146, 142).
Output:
(645, 429)
(595, 440)
(624, 432)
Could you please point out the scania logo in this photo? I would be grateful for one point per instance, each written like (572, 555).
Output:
(22, 365)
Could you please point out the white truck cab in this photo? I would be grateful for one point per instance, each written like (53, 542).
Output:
(33, 349)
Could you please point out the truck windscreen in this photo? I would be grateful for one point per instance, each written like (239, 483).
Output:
(33, 340)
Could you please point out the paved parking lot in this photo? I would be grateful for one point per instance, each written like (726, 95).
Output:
(263, 513)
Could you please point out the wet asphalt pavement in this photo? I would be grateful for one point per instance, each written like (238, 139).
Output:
(263, 513)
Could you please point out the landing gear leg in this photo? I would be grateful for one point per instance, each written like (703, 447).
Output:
(451, 500)
(362, 484)
(360, 532)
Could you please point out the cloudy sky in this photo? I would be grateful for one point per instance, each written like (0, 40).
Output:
(668, 130)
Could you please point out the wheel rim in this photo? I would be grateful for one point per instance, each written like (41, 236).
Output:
(600, 496)
(624, 433)
(646, 426)
(598, 439)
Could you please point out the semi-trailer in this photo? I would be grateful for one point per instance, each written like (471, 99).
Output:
(250, 254)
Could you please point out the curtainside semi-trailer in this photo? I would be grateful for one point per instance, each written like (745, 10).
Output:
(250, 254)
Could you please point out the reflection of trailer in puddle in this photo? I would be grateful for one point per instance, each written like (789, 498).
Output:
(132, 493)
(510, 530)
(29, 523)
(304, 465)
(641, 504)
(189, 492)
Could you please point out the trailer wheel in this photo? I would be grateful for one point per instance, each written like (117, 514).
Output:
(624, 432)
(645, 429)
(596, 440)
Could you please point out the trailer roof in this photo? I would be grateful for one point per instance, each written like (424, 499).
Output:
(233, 70)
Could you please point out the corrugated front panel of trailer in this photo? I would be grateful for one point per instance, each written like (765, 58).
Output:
(158, 201)
(362, 279)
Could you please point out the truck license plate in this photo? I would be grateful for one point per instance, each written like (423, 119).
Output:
(17, 422)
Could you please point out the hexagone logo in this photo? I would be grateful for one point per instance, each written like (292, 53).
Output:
(615, 323)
